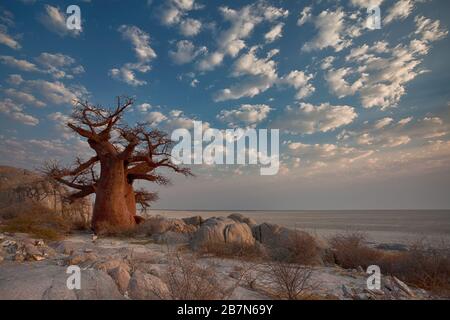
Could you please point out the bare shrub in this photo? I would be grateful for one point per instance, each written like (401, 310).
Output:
(423, 265)
(188, 279)
(300, 248)
(40, 222)
(350, 251)
(288, 281)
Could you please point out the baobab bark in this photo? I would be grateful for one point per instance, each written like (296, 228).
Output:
(112, 209)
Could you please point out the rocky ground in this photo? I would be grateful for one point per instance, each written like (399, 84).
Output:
(142, 267)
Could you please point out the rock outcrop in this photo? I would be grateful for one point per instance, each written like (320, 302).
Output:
(222, 231)
(160, 225)
(273, 235)
(241, 218)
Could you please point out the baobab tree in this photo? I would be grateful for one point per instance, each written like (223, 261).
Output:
(123, 155)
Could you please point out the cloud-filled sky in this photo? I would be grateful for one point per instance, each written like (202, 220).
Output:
(363, 113)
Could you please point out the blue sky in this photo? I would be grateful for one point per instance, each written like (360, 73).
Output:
(363, 114)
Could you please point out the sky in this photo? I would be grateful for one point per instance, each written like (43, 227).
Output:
(363, 113)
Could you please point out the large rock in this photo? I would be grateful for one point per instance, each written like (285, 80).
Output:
(222, 231)
(158, 225)
(144, 286)
(121, 277)
(241, 218)
(42, 280)
(194, 221)
(21, 190)
(273, 235)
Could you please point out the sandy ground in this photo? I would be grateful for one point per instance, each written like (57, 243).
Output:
(402, 227)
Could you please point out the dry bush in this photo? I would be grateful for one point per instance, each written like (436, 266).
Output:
(233, 250)
(288, 281)
(300, 248)
(187, 279)
(40, 222)
(350, 251)
(422, 265)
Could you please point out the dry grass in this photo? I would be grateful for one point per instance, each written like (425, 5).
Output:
(288, 281)
(188, 279)
(300, 248)
(233, 251)
(40, 222)
(350, 251)
(423, 265)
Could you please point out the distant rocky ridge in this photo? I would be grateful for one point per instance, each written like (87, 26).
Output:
(20, 189)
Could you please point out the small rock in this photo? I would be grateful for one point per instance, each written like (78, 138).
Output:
(94, 237)
(39, 243)
(87, 250)
(147, 287)
(31, 250)
(81, 258)
(37, 257)
(19, 257)
(360, 269)
(8, 243)
(121, 277)
(109, 265)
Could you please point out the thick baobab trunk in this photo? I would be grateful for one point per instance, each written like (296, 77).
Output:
(112, 209)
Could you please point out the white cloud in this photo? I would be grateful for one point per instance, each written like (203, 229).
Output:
(185, 52)
(144, 54)
(144, 107)
(155, 117)
(6, 19)
(338, 85)
(242, 23)
(380, 124)
(300, 81)
(275, 33)
(55, 92)
(247, 115)
(305, 16)
(23, 97)
(399, 11)
(366, 3)
(59, 65)
(55, 21)
(15, 79)
(309, 119)
(140, 40)
(330, 27)
(381, 72)
(190, 27)
(405, 121)
(397, 141)
(260, 75)
(430, 30)
(23, 65)
(14, 111)
(327, 62)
